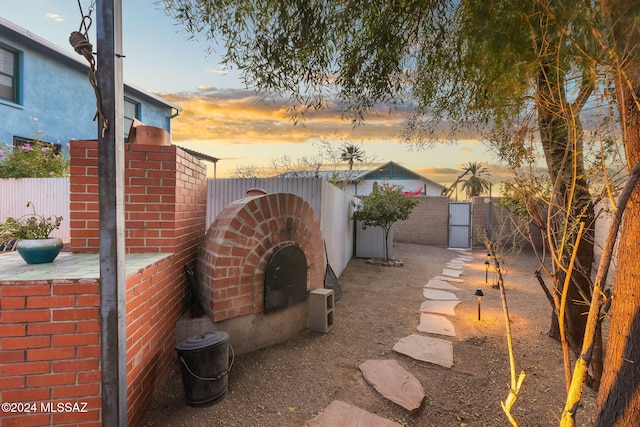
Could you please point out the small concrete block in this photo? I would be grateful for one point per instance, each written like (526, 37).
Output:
(321, 303)
(453, 266)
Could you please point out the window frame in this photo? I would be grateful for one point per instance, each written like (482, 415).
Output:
(16, 76)
(129, 120)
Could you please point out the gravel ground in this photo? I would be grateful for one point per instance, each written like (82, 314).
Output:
(289, 383)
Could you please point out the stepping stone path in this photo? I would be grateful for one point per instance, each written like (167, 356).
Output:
(440, 284)
(436, 324)
(342, 414)
(439, 307)
(387, 376)
(449, 279)
(426, 349)
(439, 295)
(451, 272)
(393, 382)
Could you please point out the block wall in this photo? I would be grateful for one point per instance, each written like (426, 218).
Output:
(427, 225)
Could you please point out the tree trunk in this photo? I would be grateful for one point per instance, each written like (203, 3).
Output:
(618, 402)
(562, 147)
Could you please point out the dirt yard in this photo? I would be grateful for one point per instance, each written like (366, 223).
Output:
(289, 383)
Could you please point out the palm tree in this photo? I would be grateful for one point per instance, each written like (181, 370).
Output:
(351, 153)
(478, 181)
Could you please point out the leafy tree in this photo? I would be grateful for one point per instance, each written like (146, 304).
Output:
(468, 62)
(618, 401)
(502, 65)
(477, 183)
(351, 153)
(385, 206)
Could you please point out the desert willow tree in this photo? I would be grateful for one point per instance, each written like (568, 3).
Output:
(451, 61)
(531, 63)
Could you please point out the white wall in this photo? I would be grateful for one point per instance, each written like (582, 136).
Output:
(330, 204)
(366, 186)
(51, 197)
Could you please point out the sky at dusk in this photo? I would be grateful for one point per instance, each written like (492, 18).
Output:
(220, 116)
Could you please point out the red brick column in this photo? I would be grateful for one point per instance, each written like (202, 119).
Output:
(163, 197)
(165, 212)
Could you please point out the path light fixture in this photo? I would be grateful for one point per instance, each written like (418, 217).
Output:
(486, 272)
(479, 294)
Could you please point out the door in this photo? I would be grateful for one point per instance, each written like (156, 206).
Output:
(459, 224)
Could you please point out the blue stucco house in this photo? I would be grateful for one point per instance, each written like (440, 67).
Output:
(45, 90)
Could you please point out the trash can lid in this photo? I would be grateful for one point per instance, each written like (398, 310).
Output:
(203, 340)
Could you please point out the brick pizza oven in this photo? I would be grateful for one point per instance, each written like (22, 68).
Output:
(271, 239)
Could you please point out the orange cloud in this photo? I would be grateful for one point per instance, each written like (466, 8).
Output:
(242, 117)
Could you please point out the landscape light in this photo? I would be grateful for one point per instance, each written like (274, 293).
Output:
(486, 271)
(479, 294)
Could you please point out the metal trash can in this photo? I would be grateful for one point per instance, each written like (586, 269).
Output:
(205, 365)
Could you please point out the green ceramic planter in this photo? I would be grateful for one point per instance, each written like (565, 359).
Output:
(39, 251)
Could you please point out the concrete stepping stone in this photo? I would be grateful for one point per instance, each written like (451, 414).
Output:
(426, 349)
(440, 284)
(439, 295)
(436, 324)
(439, 307)
(465, 258)
(449, 279)
(454, 266)
(450, 272)
(393, 382)
(342, 414)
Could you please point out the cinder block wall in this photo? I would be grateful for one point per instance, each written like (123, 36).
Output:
(503, 230)
(427, 225)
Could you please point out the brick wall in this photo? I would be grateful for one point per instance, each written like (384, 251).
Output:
(163, 197)
(165, 211)
(50, 351)
(427, 225)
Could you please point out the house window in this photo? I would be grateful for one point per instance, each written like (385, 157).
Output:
(131, 111)
(8, 75)
(19, 141)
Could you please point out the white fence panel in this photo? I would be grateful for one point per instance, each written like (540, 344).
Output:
(337, 226)
(370, 242)
(330, 204)
(49, 195)
(221, 192)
